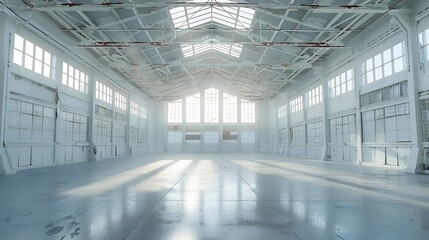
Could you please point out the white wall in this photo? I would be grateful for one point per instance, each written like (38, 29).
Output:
(45, 122)
(380, 36)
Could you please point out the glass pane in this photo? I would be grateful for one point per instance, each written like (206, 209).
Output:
(28, 62)
(65, 67)
(47, 58)
(343, 78)
(349, 85)
(71, 71)
(387, 69)
(398, 65)
(29, 48)
(19, 43)
(369, 65)
(349, 74)
(38, 67)
(387, 56)
(426, 37)
(39, 53)
(377, 60)
(64, 79)
(397, 50)
(378, 73)
(338, 90)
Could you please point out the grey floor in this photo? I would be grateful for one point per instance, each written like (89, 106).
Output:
(213, 196)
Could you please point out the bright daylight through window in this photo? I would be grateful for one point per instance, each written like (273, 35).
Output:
(211, 12)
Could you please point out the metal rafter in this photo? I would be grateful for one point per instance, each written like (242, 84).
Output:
(164, 73)
(106, 6)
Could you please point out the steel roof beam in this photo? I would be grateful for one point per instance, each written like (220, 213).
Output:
(106, 6)
(199, 29)
(123, 44)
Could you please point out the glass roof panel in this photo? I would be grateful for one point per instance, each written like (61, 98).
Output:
(199, 15)
(209, 45)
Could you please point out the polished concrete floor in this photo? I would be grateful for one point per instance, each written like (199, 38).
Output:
(213, 196)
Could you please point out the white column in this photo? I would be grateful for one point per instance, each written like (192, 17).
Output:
(321, 73)
(407, 23)
(358, 116)
(91, 125)
(5, 61)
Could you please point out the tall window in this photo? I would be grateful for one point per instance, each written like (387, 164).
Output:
(134, 108)
(211, 105)
(74, 78)
(175, 111)
(193, 104)
(103, 92)
(341, 84)
(120, 101)
(282, 111)
(315, 96)
(388, 124)
(247, 111)
(229, 108)
(424, 44)
(315, 132)
(32, 57)
(384, 64)
(296, 104)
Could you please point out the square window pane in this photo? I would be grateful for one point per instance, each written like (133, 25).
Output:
(398, 65)
(387, 56)
(397, 50)
(387, 69)
(349, 85)
(337, 81)
(64, 79)
(19, 43)
(338, 91)
(378, 73)
(28, 62)
(343, 77)
(349, 74)
(426, 36)
(369, 65)
(47, 58)
(377, 60)
(70, 82)
(29, 48)
(38, 67)
(39, 53)
(343, 88)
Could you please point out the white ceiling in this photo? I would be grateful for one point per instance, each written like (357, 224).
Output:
(140, 41)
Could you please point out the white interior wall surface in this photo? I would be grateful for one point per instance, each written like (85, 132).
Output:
(394, 135)
(45, 122)
(422, 21)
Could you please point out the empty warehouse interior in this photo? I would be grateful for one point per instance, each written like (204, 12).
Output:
(214, 119)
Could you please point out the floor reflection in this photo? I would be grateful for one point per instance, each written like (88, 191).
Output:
(208, 196)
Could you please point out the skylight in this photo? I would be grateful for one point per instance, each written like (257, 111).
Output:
(234, 17)
(190, 50)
